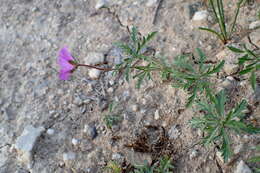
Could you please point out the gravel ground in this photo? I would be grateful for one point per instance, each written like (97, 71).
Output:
(48, 125)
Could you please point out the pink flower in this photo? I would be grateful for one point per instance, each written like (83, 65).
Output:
(65, 61)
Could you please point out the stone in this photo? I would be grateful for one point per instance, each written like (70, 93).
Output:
(156, 115)
(74, 141)
(134, 108)
(118, 157)
(174, 132)
(110, 90)
(151, 3)
(26, 142)
(227, 83)
(193, 154)
(200, 15)
(77, 101)
(91, 132)
(238, 148)
(230, 58)
(242, 168)
(68, 156)
(94, 73)
(137, 158)
(50, 132)
(3, 155)
(101, 4)
(94, 58)
(191, 8)
(255, 37)
(254, 25)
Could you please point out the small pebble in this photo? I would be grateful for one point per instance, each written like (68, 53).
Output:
(91, 132)
(242, 168)
(200, 15)
(110, 90)
(156, 115)
(193, 154)
(134, 108)
(75, 141)
(151, 3)
(50, 131)
(69, 156)
(254, 25)
(101, 4)
(94, 73)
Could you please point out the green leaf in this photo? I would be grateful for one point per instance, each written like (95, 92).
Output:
(254, 159)
(134, 33)
(243, 59)
(236, 125)
(202, 58)
(191, 98)
(238, 110)
(212, 134)
(247, 70)
(220, 103)
(217, 68)
(236, 50)
(225, 148)
(253, 80)
(214, 32)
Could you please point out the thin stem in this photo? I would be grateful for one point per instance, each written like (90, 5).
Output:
(235, 19)
(95, 67)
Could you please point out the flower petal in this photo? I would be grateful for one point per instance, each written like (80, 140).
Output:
(64, 75)
(65, 54)
(65, 65)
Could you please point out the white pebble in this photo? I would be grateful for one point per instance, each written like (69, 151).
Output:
(69, 156)
(101, 3)
(94, 73)
(156, 115)
(75, 141)
(254, 25)
(151, 3)
(200, 15)
(242, 168)
(50, 131)
(110, 90)
(134, 108)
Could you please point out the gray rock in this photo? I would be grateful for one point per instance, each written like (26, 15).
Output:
(134, 108)
(50, 131)
(91, 132)
(3, 155)
(157, 115)
(151, 3)
(174, 132)
(118, 157)
(136, 158)
(242, 168)
(238, 148)
(255, 37)
(230, 58)
(94, 73)
(68, 156)
(74, 141)
(101, 4)
(192, 8)
(254, 25)
(26, 142)
(200, 15)
(194, 153)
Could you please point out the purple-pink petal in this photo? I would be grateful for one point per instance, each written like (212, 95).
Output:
(65, 54)
(64, 75)
(65, 65)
